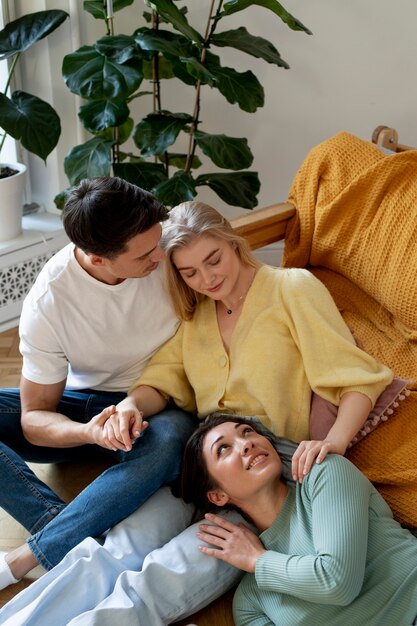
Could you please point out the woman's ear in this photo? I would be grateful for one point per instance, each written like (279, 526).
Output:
(218, 497)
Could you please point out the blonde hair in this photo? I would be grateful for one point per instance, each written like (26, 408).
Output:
(186, 222)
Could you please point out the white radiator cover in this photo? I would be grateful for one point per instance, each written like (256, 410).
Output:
(21, 260)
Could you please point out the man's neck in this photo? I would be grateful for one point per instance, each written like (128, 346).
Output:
(98, 272)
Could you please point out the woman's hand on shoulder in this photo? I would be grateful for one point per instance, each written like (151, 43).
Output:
(237, 545)
(309, 452)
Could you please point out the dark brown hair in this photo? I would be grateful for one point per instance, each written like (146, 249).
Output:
(195, 480)
(102, 214)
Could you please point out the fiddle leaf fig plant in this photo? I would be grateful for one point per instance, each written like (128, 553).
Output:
(23, 116)
(119, 69)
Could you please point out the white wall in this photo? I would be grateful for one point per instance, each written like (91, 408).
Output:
(357, 71)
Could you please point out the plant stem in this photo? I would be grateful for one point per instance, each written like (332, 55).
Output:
(6, 89)
(156, 87)
(108, 8)
(11, 72)
(196, 113)
(3, 139)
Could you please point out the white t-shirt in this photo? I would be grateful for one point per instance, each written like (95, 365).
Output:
(95, 335)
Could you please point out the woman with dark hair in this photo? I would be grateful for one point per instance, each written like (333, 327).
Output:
(329, 551)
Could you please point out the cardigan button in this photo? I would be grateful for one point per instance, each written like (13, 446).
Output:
(223, 361)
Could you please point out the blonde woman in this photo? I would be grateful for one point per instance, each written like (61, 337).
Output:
(255, 340)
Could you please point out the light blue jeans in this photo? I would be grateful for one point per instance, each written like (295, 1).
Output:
(55, 526)
(130, 580)
(148, 572)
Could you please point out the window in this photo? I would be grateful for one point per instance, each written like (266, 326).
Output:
(8, 153)
(40, 74)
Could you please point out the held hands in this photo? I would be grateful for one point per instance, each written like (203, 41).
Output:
(237, 545)
(116, 428)
(310, 451)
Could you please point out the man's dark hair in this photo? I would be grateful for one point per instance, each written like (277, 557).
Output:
(102, 214)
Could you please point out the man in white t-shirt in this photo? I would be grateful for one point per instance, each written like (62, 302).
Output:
(96, 314)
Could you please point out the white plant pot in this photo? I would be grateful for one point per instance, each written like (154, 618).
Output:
(11, 202)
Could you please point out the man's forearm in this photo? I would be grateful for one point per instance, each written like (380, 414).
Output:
(47, 428)
(41, 423)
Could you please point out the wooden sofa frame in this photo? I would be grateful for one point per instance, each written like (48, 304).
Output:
(268, 225)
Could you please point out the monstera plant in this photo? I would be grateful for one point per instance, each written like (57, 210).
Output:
(119, 69)
(24, 116)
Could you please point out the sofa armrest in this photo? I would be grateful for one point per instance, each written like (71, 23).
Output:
(264, 226)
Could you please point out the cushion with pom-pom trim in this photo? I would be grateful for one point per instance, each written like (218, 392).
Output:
(323, 413)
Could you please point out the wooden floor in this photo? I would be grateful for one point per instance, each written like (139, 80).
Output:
(61, 479)
(11, 533)
(10, 359)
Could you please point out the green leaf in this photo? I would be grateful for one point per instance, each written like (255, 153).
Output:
(179, 70)
(168, 10)
(61, 198)
(227, 152)
(198, 70)
(237, 188)
(93, 75)
(140, 94)
(31, 121)
(243, 88)
(99, 11)
(157, 131)
(143, 174)
(165, 69)
(88, 160)
(123, 133)
(163, 41)
(148, 16)
(20, 34)
(179, 188)
(179, 160)
(128, 157)
(119, 48)
(101, 114)
(240, 5)
(256, 46)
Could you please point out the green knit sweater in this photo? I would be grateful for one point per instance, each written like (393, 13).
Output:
(335, 556)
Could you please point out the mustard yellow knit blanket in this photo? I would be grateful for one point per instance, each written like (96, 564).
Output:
(356, 229)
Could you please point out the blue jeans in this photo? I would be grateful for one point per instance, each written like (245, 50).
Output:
(148, 572)
(55, 526)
